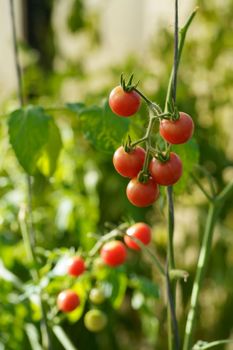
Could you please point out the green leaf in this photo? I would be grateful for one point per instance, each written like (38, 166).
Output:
(63, 338)
(189, 154)
(147, 287)
(48, 160)
(28, 133)
(203, 345)
(101, 126)
(115, 284)
(78, 107)
(82, 288)
(7, 275)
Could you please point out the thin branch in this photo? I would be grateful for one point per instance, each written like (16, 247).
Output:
(183, 32)
(16, 56)
(173, 332)
(28, 237)
(172, 308)
(176, 52)
(208, 196)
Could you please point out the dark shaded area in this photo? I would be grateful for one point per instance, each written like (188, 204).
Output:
(39, 31)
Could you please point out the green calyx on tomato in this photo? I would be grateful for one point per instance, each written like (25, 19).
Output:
(128, 87)
(129, 164)
(168, 172)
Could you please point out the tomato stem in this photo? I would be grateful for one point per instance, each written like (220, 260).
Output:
(213, 214)
(117, 232)
(151, 105)
(208, 196)
(173, 331)
(29, 235)
(150, 254)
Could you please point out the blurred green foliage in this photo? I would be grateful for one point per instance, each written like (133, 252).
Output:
(85, 193)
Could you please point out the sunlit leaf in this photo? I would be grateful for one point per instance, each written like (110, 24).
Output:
(48, 160)
(28, 132)
(82, 288)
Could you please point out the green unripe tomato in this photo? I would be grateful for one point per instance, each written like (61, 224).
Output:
(98, 264)
(95, 320)
(97, 296)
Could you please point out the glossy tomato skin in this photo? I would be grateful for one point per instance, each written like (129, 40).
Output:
(124, 103)
(177, 131)
(95, 320)
(76, 266)
(142, 194)
(113, 253)
(68, 300)
(166, 173)
(141, 231)
(128, 164)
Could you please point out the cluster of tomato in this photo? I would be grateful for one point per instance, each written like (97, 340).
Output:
(68, 300)
(113, 253)
(166, 168)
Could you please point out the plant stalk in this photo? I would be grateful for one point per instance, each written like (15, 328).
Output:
(213, 213)
(28, 235)
(173, 331)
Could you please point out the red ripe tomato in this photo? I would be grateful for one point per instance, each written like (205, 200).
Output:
(124, 103)
(67, 300)
(113, 253)
(177, 131)
(142, 194)
(129, 164)
(140, 231)
(166, 173)
(76, 266)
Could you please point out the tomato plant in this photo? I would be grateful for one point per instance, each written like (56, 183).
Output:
(95, 320)
(149, 161)
(68, 300)
(142, 194)
(140, 231)
(113, 253)
(124, 103)
(177, 131)
(166, 172)
(129, 164)
(76, 266)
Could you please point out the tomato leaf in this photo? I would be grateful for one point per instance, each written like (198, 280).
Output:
(189, 154)
(101, 126)
(147, 287)
(28, 133)
(82, 288)
(48, 160)
(78, 107)
(116, 282)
